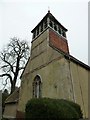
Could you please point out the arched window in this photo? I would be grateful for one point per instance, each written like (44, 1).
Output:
(37, 87)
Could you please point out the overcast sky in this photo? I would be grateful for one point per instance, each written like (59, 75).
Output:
(19, 17)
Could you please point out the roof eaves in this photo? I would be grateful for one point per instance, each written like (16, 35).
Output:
(25, 68)
(70, 57)
(79, 62)
(39, 22)
(13, 97)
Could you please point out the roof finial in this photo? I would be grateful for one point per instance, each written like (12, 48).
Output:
(48, 9)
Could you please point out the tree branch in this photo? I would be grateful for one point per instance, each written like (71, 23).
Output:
(13, 59)
(8, 75)
(5, 83)
(4, 60)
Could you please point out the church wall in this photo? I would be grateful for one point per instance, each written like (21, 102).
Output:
(53, 69)
(60, 77)
(37, 59)
(10, 110)
(55, 82)
(23, 94)
(80, 85)
(39, 51)
(27, 68)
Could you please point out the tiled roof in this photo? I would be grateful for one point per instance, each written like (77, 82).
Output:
(71, 58)
(13, 98)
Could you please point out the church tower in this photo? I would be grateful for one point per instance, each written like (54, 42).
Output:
(47, 73)
(49, 45)
(50, 69)
(56, 31)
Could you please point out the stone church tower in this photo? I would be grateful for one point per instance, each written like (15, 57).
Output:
(51, 71)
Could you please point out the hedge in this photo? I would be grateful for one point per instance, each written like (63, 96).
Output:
(52, 109)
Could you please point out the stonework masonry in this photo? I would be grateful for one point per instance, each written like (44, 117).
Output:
(62, 76)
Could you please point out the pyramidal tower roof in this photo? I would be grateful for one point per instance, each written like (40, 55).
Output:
(51, 18)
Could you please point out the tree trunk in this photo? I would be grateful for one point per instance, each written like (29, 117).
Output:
(12, 87)
(15, 76)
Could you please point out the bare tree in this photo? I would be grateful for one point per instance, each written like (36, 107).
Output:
(13, 60)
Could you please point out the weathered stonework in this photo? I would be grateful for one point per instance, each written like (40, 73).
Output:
(62, 76)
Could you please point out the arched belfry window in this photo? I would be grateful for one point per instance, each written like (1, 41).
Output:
(37, 87)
